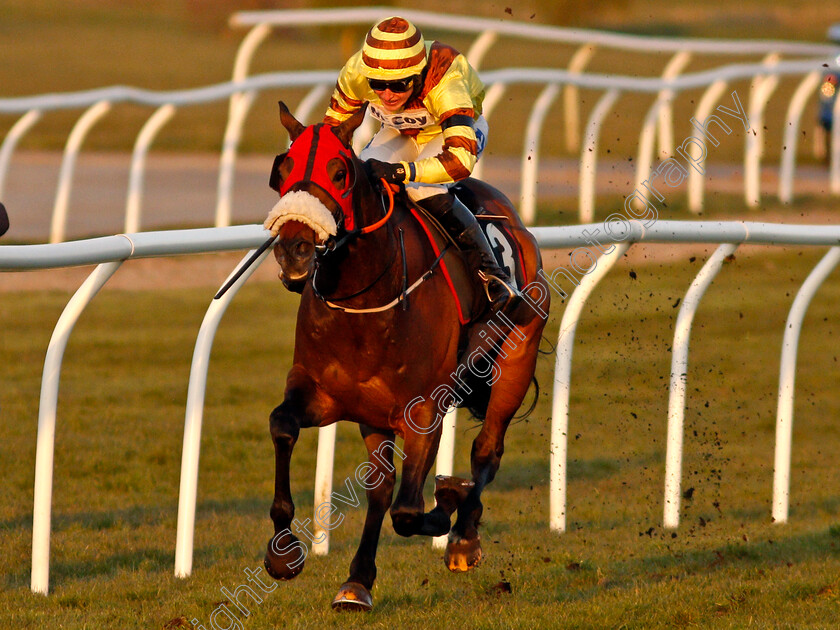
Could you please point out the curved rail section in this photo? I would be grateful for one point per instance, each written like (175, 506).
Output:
(679, 377)
(109, 253)
(787, 378)
(563, 384)
(524, 30)
(45, 449)
(243, 90)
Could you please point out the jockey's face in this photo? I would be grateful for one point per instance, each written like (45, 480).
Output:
(393, 101)
(394, 94)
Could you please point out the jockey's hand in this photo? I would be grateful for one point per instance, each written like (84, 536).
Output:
(391, 173)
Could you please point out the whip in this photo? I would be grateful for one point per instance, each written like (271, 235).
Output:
(257, 253)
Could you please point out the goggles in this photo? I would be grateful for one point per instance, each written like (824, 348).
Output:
(397, 86)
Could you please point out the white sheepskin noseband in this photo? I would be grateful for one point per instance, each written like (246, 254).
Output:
(301, 206)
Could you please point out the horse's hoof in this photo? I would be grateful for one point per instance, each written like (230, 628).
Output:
(450, 492)
(462, 554)
(284, 556)
(353, 596)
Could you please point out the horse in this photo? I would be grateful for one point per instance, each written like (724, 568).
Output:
(4, 220)
(370, 349)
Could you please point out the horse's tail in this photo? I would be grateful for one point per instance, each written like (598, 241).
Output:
(475, 394)
(474, 391)
(534, 402)
(478, 399)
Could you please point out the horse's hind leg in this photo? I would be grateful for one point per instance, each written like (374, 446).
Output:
(463, 551)
(377, 478)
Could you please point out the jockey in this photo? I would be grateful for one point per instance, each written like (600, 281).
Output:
(428, 99)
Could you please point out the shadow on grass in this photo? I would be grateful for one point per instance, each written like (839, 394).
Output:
(802, 509)
(146, 560)
(137, 516)
(534, 471)
(758, 556)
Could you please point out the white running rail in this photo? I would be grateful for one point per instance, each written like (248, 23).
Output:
(243, 90)
(490, 31)
(109, 252)
(97, 103)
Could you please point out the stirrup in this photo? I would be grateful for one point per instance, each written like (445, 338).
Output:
(500, 302)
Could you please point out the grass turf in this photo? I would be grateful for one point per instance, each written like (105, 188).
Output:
(124, 388)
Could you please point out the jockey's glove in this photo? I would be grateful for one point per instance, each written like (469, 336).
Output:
(391, 173)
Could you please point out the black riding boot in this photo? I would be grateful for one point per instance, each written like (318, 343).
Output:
(463, 227)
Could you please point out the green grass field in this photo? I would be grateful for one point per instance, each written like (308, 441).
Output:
(120, 428)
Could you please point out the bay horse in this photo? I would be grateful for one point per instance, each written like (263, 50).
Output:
(368, 352)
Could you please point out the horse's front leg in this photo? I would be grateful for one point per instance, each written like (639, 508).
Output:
(377, 477)
(421, 429)
(301, 408)
(286, 554)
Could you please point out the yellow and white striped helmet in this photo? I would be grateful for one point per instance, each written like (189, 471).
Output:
(393, 49)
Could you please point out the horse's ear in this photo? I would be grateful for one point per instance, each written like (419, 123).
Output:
(290, 122)
(345, 130)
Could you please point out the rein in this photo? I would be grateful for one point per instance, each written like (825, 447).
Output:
(400, 298)
(404, 293)
(375, 226)
(334, 245)
(360, 291)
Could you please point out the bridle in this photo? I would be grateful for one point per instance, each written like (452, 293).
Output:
(310, 153)
(402, 297)
(323, 146)
(344, 201)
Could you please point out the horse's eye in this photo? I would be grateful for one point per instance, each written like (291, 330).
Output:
(280, 171)
(340, 176)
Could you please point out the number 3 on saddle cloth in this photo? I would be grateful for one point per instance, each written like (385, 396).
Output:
(497, 229)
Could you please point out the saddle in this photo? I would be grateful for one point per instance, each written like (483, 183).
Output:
(496, 228)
